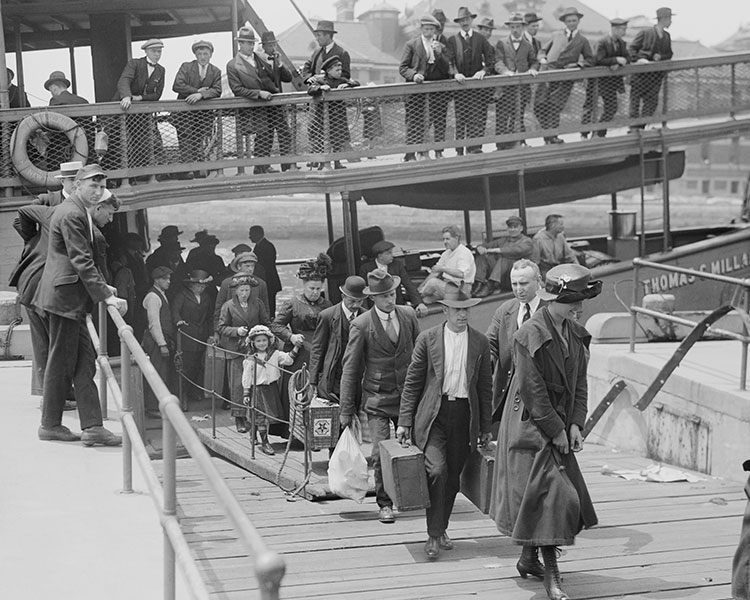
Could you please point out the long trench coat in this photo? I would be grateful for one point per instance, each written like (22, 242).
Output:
(741, 563)
(540, 497)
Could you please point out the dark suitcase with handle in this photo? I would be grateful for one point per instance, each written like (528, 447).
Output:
(477, 477)
(404, 475)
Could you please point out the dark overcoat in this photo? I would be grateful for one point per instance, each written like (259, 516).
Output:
(188, 81)
(414, 61)
(135, 81)
(66, 98)
(741, 564)
(535, 501)
(313, 66)
(481, 56)
(266, 253)
(225, 294)
(198, 316)
(233, 316)
(608, 49)
(423, 388)
(398, 268)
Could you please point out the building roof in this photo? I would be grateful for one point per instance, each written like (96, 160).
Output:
(737, 42)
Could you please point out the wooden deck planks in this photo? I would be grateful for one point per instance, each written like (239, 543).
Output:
(654, 541)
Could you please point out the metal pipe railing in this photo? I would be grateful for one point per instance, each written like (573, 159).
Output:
(700, 274)
(269, 566)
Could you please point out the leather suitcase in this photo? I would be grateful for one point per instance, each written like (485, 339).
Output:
(478, 476)
(404, 475)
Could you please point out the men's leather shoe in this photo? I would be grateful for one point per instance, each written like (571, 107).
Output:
(483, 291)
(59, 433)
(337, 165)
(438, 154)
(423, 156)
(432, 548)
(99, 435)
(445, 542)
(386, 515)
(409, 157)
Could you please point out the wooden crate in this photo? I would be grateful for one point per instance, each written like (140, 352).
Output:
(477, 477)
(322, 424)
(404, 475)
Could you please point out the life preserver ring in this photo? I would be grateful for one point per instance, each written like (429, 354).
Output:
(50, 120)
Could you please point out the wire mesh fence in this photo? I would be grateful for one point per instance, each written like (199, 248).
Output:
(410, 120)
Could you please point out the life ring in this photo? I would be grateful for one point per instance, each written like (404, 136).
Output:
(50, 120)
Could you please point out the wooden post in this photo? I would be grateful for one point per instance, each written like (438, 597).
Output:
(353, 197)
(19, 64)
(467, 227)
(329, 219)
(4, 99)
(522, 198)
(73, 73)
(487, 209)
(614, 200)
(348, 234)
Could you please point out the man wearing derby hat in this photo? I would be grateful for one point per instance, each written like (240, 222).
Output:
(204, 257)
(331, 337)
(196, 80)
(566, 49)
(16, 99)
(168, 237)
(649, 45)
(425, 59)
(380, 346)
(446, 407)
(485, 26)
(324, 33)
(514, 54)
(384, 259)
(471, 57)
(244, 264)
(494, 259)
(612, 52)
(532, 28)
(57, 85)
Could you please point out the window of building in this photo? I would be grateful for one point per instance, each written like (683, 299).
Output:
(735, 187)
(691, 184)
(720, 185)
(705, 186)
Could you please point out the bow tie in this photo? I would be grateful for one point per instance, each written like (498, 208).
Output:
(150, 64)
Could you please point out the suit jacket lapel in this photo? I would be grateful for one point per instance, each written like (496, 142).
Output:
(437, 353)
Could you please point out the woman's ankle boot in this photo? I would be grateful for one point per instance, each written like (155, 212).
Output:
(529, 563)
(552, 579)
(265, 445)
(241, 424)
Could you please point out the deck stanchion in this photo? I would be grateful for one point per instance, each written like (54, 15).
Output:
(329, 219)
(522, 198)
(743, 359)
(354, 215)
(213, 390)
(178, 356)
(348, 234)
(642, 238)
(103, 352)
(127, 408)
(253, 417)
(634, 302)
(170, 501)
(467, 227)
(487, 209)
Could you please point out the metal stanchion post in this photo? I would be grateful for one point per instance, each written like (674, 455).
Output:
(743, 363)
(169, 439)
(178, 362)
(213, 391)
(253, 416)
(634, 317)
(103, 352)
(127, 408)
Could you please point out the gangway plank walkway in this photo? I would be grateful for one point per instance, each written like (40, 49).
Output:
(654, 541)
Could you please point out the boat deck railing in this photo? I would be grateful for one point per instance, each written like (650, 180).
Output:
(739, 303)
(268, 566)
(172, 138)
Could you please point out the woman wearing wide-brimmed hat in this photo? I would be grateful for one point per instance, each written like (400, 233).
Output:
(540, 498)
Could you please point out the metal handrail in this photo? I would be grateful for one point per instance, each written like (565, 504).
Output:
(269, 566)
(743, 338)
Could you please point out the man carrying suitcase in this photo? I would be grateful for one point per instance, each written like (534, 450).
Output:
(446, 407)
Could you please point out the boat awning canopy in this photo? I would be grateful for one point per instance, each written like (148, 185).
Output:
(51, 24)
(542, 186)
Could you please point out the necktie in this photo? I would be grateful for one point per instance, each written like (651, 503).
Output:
(390, 329)
(351, 317)
(526, 313)
(570, 35)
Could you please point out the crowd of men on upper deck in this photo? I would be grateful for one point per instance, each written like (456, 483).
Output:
(257, 73)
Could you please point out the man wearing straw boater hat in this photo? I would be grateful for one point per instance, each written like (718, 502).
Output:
(57, 85)
(446, 407)
(67, 176)
(324, 33)
(650, 45)
(380, 346)
(566, 49)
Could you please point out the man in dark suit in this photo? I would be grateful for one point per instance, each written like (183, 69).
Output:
(195, 81)
(169, 236)
(324, 33)
(331, 337)
(66, 177)
(15, 98)
(566, 49)
(425, 59)
(532, 28)
(142, 80)
(57, 85)
(741, 562)
(384, 259)
(446, 407)
(377, 356)
(611, 51)
(649, 45)
(525, 280)
(266, 269)
(251, 77)
(472, 57)
(70, 285)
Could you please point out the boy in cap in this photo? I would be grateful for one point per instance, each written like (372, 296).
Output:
(331, 79)
(612, 52)
(324, 33)
(649, 45)
(195, 81)
(425, 59)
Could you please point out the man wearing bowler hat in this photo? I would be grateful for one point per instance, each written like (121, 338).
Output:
(330, 339)
(169, 236)
(324, 33)
(532, 28)
(566, 49)
(471, 57)
(58, 150)
(384, 259)
(494, 259)
(15, 98)
(649, 45)
(57, 85)
(446, 407)
(195, 81)
(612, 52)
(380, 346)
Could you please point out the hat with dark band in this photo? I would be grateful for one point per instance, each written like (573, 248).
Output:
(570, 11)
(531, 17)
(160, 271)
(152, 43)
(456, 297)
(56, 76)
(568, 284)
(268, 37)
(516, 19)
(325, 27)
(380, 282)
(464, 13)
(69, 169)
(487, 22)
(664, 12)
(245, 34)
(198, 276)
(618, 22)
(354, 287)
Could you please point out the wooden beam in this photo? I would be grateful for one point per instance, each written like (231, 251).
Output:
(97, 6)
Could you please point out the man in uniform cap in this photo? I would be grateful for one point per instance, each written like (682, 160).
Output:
(649, 45)
(566, 49)
(195, 81)
(612, 52)
(324, 33)
(446, 407)
(494, 259)
(380, 346)
(382, 252)
(425, 59)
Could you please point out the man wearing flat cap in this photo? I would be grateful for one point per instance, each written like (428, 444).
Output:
(494, 259)
(382, 252)
(446, 407)
(70, 285)
(471, 57)
(612, 52)
(142, 80)
(324, 33)
(566, 49)
(380, 346)
(425, 59)
(649, 45)
(195, 81)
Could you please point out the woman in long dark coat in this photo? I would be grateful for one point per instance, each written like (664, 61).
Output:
(540, 498)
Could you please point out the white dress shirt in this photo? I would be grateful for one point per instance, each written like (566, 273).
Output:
(383, 316)
(533, 305)
(454, 368)
(428, 49)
